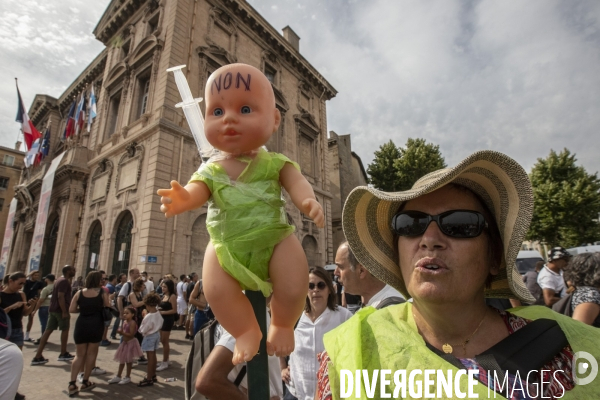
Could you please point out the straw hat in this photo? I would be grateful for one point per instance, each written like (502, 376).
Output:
(499, 181)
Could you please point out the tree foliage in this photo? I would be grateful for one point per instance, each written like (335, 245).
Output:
(396, 168)
(566, 202)
(382, 171)
(417, 159)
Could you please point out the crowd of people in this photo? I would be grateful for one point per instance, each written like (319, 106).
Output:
(143, 315)
(420, 277)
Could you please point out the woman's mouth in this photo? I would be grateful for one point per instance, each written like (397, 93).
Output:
(431, 265)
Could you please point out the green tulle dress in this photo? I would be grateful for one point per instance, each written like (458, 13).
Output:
(246, 217)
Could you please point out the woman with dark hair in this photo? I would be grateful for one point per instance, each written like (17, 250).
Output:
(321, 314)
(136, 299)
(584, 272)
(168, 310)
(16, 305)
(89, 302)
(450, 242)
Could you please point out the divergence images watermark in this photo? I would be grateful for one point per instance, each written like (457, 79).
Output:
(432, 383)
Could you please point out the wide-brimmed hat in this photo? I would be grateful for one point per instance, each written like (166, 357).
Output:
(497, 179)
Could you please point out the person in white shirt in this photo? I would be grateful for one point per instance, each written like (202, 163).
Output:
(182, 302)
(149, 284)
(149, 328)
(551, 278)
(358, 281)
(321, 314)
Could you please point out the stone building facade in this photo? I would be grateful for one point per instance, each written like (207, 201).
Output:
(347, 172)
(11, 163)
(104, 211)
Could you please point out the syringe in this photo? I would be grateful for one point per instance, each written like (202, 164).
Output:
(192, 112)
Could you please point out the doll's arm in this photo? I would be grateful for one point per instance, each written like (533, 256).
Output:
(180, 199)
(302, 193)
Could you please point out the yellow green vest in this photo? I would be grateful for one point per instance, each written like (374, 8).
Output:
(388, 339)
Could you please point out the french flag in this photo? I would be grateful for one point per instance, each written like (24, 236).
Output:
(29, 132)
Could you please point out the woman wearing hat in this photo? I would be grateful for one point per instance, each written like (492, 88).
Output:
(448, 243)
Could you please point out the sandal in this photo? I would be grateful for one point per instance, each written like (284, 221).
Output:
(73, 389)
(146, 382)
(87, 385)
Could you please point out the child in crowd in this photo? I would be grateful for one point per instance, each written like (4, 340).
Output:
(150, 327)
(129, 349)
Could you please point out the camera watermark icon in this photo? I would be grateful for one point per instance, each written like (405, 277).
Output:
(583, 367)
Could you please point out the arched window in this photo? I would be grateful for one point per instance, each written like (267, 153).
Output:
(309, 244)
(50, 239)
(94, 247)
(120, 262)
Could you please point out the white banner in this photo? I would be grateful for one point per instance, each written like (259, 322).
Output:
(35, 251)
(8, 233)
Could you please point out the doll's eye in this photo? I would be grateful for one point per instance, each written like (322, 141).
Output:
(245, 110)
(218, 112)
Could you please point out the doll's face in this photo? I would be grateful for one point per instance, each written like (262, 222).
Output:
(240, 109)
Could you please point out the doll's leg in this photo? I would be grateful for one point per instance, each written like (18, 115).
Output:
(231, 307)
(288, 270)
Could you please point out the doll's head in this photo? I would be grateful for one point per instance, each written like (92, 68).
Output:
(240, 109)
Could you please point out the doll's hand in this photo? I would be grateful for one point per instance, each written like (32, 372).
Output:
(314, 211)
(173, 199)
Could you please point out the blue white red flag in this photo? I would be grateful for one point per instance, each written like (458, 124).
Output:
(30, 134)
(70, 121)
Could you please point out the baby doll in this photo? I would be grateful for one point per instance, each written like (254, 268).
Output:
(252, 246)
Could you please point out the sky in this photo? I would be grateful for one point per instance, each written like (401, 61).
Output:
(517, 77)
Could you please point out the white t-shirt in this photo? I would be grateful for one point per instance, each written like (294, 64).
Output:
(224, 338)
(151, 323)
(181, 288)
(149, 286)
(308, 344)
(548, 279)
(383, 294)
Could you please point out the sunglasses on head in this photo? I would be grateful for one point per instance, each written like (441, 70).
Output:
(321, 285)
(454, 223)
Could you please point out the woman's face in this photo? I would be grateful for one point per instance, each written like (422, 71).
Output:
(164, 288)
(318, 295)
(462, 264)
(16, 285)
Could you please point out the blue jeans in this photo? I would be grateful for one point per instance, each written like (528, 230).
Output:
(43, 316)
(115, 327)
(200, 318)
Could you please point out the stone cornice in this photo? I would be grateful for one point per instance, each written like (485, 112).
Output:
(278, 43)
(41, 105)
(94, 70)
(116, 16)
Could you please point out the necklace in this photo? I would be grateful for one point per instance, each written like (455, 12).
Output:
(448, 348)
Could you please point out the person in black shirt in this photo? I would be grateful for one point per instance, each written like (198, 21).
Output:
(33, 287)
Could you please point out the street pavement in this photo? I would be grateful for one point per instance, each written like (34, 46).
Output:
(50, 380)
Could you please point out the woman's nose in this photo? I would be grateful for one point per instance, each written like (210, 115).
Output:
(433, 237)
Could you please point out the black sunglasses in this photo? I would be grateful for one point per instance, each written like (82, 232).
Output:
(454, 223)
(321, 285)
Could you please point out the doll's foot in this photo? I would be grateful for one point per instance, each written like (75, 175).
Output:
(246, 346)
(280, 341)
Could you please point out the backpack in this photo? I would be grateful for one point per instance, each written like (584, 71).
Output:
(126, 301)
(5, 325)
(563, 306)
(202, 345)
